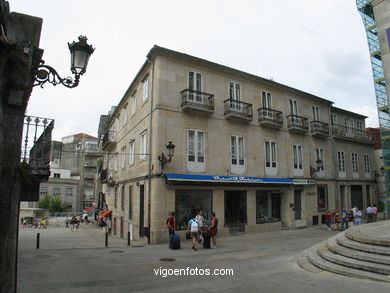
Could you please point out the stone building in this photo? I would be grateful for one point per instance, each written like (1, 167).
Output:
(262, 155)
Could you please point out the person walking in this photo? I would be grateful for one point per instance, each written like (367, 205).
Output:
(336, 220)
(200, 219)
(358, 217)
(369, 213)
(214, 229)
(73, 221)
(24, 223)
(328, 219)
(344, 219)
(194, 228)
(374, 212)
(171, 223)
(351, 218)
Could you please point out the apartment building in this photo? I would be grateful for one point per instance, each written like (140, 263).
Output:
(262, 155)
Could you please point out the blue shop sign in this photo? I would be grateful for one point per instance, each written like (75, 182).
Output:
(225, 179)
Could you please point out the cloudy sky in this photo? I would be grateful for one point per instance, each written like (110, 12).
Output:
(313, 45)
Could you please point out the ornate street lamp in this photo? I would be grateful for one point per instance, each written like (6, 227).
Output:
(80, 52)
(163, 159)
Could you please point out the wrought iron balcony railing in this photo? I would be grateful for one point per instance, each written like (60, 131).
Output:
(197, 101)
(109, 139)
(346, 132)
(270, 117)
(319, 128)
(235, 109)
(297, 123)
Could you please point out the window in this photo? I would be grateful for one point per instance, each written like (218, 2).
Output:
(91, 146)
(131, 152)
(266, 99)
(195, 150)
(234, 91)
(43, 190)
(322, 197)
(115, 196)
(267, 207)
(112, 164)
(293, 107)
(359, 125)
(145, 88)
(123, 198)
(341, 163)
(195, 84)
(125, 115)
(237, 154)
(320, 157)
(56, 191)
(123, 158)
(270, 158)
(366, 163)
(333, 119)
(133, 104)
(88, 194)
(68, 191)
(130, 201)
(355, 163)
(57, 175)
(297, 155)
(68, 206)
(316, 113)
(143, 145)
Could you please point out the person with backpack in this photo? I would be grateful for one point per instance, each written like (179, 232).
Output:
(214, 229)
(344, 219)
(194, 228)
(171, 223)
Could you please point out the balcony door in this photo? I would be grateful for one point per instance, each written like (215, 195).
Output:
(293, 111)
(267, 104)
(235, 96)
(195, 87)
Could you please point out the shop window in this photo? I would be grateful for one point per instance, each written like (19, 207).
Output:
(322, 197)
(188, 202)
(267, 207)
(235, 207)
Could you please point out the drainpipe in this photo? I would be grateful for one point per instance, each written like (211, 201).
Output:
(150, 149)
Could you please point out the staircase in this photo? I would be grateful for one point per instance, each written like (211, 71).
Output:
(360, 252)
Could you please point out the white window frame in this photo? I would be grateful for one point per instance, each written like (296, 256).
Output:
(195, 86)
(297, 160)
(333, 119)
(316, 113)
(125, 115)
(196, 150)
(234, 94)
(341, 164)
(123, 157)
(237, 154)
(133, 104)
(319, 155)
(143, 144)
(145, 88)
(355, 165)
(293, 107)
(367, 166)
(270, 158)
(132, 152)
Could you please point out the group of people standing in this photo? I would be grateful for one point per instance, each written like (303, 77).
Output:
(343, 220)
(197, 229)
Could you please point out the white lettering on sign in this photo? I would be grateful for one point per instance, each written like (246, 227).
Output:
(304, 181)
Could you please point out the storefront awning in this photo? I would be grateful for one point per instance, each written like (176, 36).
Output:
(174, 177)
(105, 213)
(90, 209)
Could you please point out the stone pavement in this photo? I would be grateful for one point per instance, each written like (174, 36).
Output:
(264, 262)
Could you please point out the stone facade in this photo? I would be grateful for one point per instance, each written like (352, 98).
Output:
(230, 123)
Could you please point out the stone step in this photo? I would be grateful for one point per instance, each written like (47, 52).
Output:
(356, 254)
(304, 263)
(344, 241)
(374, 237)
(318, 261)
(325, 253)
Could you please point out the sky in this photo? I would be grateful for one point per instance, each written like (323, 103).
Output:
(315, 46)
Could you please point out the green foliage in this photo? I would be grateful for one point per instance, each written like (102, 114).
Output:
(52, 203)
(381, 206)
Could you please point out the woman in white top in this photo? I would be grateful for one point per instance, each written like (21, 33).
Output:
(200, 219)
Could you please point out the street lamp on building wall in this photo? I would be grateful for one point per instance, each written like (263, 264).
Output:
(163, 158)
(79, 52)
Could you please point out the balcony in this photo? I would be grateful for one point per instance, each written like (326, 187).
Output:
(352, 134)
(270, 118)
(90, 164)
(297, 124)
(193, 101)
(89, 175)
(238, 110)
(103, 175)
(319, 129)
(109, 140)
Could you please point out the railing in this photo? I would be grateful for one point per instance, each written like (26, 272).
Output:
(270, 115)
(353, 133)
(103, 175)
(238, 108)
(109, 137)
(197, 100)
(90, 164)
(319, 127)
(295, 121)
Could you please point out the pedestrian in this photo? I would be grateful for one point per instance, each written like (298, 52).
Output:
(194, 228)
(73, 221)
(328, 219)
(67, 222)
(369, 213)
(214, 229)
(108, 226)
(344, 219)
(358, 217)
(200, 219)
(336, 220)
(374, 212)
(24, 223)
(171, 223)
(39, 223)
(351, 218)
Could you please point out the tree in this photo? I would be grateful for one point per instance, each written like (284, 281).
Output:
(52, 203)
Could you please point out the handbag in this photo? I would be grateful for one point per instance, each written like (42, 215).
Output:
(200, 239)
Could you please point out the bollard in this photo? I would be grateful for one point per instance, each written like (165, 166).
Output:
(128, 238)
(106, 239)
(38, 236)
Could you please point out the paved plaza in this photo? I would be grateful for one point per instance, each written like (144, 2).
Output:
(265, 262)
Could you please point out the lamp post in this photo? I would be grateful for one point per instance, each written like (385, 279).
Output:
(79, 52)
(163, 158)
